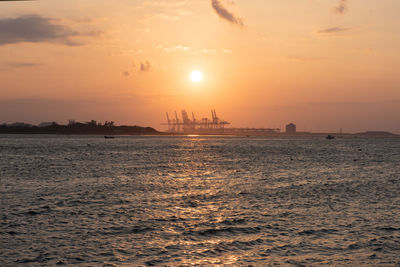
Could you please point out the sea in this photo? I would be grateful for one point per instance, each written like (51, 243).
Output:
(199, 201)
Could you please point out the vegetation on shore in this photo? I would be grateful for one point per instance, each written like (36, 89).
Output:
(92, 127)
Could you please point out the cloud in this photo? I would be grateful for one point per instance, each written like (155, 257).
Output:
(175, 14)
(35, 29)
(191, 50)
(145, 66)
(227, 51)
(225, 14)
(302, 58)
(341, 7)
(7, 66)
(333, 30)
(164, 3)
(174, 48)
(23, 64)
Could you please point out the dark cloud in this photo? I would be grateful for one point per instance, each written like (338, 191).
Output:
(225, 14)
(35, 29)
(332, 30)
(341, 7)
(145, 66)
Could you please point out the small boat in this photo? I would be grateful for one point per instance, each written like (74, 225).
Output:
(109, 137)
(330, 137)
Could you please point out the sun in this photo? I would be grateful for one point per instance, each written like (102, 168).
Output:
(196, 76)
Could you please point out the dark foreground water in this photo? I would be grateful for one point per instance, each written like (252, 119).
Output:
(90, 201)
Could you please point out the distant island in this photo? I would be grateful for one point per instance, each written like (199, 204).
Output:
(92, 127)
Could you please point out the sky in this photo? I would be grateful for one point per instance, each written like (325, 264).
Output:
(324, 65)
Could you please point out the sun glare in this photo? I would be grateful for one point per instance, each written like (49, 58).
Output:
(196, 76)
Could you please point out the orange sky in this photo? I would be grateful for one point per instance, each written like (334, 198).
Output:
(322, 64)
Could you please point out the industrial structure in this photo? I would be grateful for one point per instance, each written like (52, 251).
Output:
(215, 125)
(291, 128)
(187, 125)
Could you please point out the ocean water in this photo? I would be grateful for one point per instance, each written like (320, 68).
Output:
(183, 201)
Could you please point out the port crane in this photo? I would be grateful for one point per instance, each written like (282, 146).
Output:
(186, 124)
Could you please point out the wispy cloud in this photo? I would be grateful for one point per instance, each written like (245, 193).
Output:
(191, 50)
(341, 7)
(169, 15)
(7, 66)
(35, 29)
(23, 64)
(225, 14)
(302, 58)
(174, 48)
(333, 30)
(166, 3)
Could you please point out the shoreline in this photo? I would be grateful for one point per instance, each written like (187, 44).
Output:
(280, 135)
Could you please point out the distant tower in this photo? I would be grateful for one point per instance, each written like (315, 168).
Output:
(291, 128)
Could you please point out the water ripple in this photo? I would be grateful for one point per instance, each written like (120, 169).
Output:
(183, 201)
